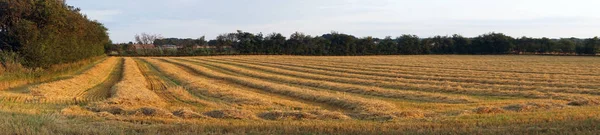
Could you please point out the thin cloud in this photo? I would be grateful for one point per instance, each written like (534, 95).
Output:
(102, 15)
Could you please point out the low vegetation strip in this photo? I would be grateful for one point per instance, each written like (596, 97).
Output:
(369, 108)
(70, 88)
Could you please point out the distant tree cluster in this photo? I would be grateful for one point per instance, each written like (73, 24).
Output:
(47, 32)
(335, 43)
(343, 44)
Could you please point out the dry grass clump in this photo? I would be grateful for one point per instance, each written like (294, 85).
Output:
(488, 110)
(105, 114)
(153, 111)
(71, 88)
(356, 104)
(230, 114)
(584, 102)
(532, 106)
(300, 115)
(410, 114)
(188, 114)
(75, 111)
(129, 111)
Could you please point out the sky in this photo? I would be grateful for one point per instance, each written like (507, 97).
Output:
(377, 18)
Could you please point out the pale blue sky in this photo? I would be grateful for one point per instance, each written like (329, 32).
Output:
(378, 18)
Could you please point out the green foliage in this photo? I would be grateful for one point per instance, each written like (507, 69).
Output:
(410, 44)
(493, 43)
(590, 46)
(45, 33)
(274, 43)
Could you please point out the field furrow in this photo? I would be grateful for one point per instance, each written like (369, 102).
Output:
(238, 96)
(395, 83)
(367, 108)
(175, 95)
(22, 82)
(553, 78)
(347, 87)
(434, 78)
(102, 91)
(132, 90)
(532, 66)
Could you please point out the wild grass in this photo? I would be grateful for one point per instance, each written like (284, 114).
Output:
(441, 71)
(15, 75)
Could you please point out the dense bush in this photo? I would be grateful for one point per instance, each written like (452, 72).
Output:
(48, 32)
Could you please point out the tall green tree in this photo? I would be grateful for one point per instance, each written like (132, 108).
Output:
(387, 46)
(567, 45)
(493, 43)
(47, 32)
(274, 43)
(366, 46)
(410, 44)
(590, 46)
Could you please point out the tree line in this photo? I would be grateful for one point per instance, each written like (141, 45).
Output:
(341, 44)
(48, 32)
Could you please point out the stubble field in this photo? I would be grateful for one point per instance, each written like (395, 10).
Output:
(313, 95)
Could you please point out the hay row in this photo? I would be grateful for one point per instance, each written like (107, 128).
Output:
(70, 88)
(394, 83)
(346, 87)
(369, 107)
(450, 79)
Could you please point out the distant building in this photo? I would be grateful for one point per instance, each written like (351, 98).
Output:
(204, 47)
(141, 47)
(169, 47)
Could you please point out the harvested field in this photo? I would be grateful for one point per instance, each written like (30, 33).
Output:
(292, 94)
